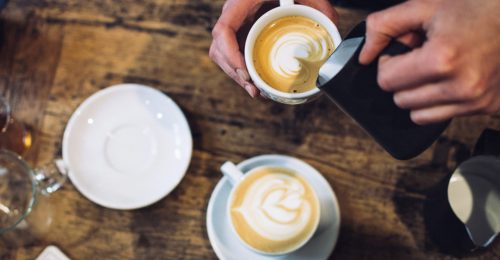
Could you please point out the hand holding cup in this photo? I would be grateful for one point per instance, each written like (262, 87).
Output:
(225, 50)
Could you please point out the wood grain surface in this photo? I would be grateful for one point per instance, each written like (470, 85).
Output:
(56, 53)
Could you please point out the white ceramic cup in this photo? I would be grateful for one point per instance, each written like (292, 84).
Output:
(286, 8)
(235, 177)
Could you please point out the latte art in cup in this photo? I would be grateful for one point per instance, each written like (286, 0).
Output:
(274, 210)
(289, 52)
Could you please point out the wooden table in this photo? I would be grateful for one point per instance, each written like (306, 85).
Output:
(56, 53)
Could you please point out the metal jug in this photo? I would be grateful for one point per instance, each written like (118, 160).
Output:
(353, 87)
(462, 213)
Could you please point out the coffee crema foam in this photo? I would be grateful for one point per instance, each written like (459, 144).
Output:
(289, 52)
(274, 210)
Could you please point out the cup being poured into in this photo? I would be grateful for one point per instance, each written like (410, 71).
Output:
(293, 65)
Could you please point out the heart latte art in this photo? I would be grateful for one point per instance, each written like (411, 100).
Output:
(289, 52)
(274, 210)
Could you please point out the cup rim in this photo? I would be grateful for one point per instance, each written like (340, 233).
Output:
(228, 209)
(253, 33)
(32, 202)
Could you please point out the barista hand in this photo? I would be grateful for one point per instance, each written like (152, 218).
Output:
(225, 50)
(456, 71)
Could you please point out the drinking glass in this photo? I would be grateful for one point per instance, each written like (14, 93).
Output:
(14, 135)
(20, 189)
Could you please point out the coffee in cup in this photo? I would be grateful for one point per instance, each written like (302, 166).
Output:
(274, 210)
(289, 52)
(285, 49)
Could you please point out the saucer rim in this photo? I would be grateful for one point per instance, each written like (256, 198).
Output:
(88, 102)
(224, 180)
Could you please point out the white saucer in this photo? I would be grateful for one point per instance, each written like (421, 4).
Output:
(127, 146)
(227, 246)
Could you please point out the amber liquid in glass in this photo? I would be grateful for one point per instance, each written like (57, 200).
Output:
(15, 136)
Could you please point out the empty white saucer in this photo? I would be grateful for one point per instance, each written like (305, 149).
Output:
(127, 146)
(227, 246)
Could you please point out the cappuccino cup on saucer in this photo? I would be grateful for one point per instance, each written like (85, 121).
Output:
(272, 209)
(285, 49)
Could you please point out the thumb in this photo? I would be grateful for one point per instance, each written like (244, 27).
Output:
(391, 23)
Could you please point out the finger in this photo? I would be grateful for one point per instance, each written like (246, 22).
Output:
(228, 46)
(234, 13)
(252, 90)
(390, 23)
(411, 39)
(417, 67)
(427, 96)
(236, 76)
(249, 87)
(225, 52)
(220, 60)
(485, 104)
(323, 6)
(439, 113)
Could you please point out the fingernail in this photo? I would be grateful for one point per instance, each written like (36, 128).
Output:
(250, 89)
(361, 57)
(418, 117)
(243, 74)
(398, 98)
(383, 58)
